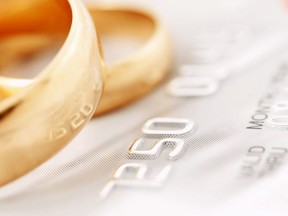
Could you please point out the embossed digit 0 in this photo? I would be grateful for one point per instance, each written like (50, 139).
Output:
(155, 128)
(277, 122)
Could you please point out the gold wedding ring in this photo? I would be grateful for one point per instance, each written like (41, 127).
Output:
(45, 115)
(133, 77)
(40, 116)
(128, 78)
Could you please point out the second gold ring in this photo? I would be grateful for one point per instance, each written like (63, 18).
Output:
(128, 78)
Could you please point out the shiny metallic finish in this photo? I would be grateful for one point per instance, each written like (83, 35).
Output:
(43, 117)
(192, 86)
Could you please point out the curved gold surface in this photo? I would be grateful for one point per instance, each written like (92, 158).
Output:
(129, 78)
(45, 115)
(133, 77)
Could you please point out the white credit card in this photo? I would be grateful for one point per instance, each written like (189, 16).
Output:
(212, 140)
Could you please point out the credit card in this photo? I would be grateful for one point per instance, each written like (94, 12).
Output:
(211, 140)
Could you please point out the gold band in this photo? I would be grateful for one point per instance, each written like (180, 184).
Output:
(40, 116)
(44, 116)
(133, 77)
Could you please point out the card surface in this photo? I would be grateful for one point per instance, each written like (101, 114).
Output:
(211, 140)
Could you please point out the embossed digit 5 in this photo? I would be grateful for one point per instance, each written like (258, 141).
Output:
(179, 148)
